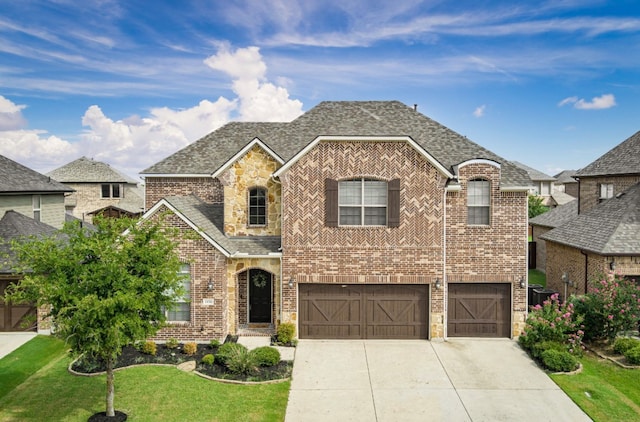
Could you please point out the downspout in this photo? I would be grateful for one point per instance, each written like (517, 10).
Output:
(586, 266)
(280, 249)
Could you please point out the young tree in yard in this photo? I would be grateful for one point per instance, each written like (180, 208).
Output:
(105, 289)
(535, 206)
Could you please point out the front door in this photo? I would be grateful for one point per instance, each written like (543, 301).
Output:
(260, 286)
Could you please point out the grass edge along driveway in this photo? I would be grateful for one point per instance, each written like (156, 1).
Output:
(145, 393)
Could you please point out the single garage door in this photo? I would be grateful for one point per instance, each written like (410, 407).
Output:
(479, 310)
(329, 311)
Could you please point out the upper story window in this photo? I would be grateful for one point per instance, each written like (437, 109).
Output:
(257, 207)
(606, 191)
(37, 206)
(111, 190)
(545, 188)
(478, 202)
(180, 310)
(362, 202)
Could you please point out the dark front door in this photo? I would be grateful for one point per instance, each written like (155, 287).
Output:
(259, 296)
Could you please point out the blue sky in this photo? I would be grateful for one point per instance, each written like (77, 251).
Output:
(551, 84)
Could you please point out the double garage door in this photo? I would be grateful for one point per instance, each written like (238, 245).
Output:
(15, 317)
(329, 311)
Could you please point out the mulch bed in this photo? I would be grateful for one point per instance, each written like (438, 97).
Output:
(604, 350)
(174, 356)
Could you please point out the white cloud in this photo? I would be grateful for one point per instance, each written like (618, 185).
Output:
(135, 142)
(11, 115)
(597, 103)
(479, 111)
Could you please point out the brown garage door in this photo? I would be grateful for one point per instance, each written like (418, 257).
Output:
(329, 311)
(15, 317)
(479, 310)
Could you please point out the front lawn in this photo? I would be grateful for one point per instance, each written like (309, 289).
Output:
(603, 390)
(145, 393)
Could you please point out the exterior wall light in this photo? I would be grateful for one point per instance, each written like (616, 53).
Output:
(438, 284)
(210, 285)
(291, 281)
(612, 265)
(523, 282)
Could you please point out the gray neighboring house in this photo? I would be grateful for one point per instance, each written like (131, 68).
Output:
(542, 184)
(31, 193)
(605, 234)
(99, 189)
(30, 204)
(566, 182)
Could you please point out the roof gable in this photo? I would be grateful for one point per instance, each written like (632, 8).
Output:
(13, 226)
(622, 159)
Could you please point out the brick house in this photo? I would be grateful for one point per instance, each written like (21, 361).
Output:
(98, 189)
(604, 234)
(355, 220)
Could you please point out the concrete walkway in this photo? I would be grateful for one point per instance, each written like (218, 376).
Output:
(11, 341)
(456, 380)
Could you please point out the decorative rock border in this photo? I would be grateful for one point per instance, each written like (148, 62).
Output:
(577, 371)
(612, 359)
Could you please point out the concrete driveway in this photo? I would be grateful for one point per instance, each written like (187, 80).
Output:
(456, 380)
(11, 341)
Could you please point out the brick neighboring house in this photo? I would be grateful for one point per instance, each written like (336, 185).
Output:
(355, 220)
(566, 182)
(605, 233)
(99, 189)
(543, 223)
(30, 204)
(542, 184)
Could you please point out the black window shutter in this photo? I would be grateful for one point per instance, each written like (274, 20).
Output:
(393, 205)
(331, 203)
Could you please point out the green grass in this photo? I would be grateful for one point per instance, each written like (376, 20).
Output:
(603, 390)
(145, 393)
(537, 277)
(20, 364)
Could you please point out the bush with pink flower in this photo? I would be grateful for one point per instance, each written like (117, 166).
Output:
(610, 307)
(551, 323)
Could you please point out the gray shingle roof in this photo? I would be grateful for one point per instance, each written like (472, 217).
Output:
(334, 118)
(562, 198)
(14, 225)
(557, 216)
(86, 170)
(209, 218)
(534, 174)
(16, 178)
(611, 228)
(622, 159)
(565, 176)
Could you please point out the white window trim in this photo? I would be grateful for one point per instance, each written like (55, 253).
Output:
(488, 223)
(111, 185)
(362, 205)
(185, 270)
(36, 202)
(608, 188)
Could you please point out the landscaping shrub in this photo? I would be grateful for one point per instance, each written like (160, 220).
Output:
(214, 344)
(149, 348)
(172, 343)
(190, 348)
(208, 359)
(622, 344)
(633, 355)
(538, 348)
(554, 322)
(266, 356)
(611, 306)
(240, 361)
(285, 332)
(558, 361)
(226, 350)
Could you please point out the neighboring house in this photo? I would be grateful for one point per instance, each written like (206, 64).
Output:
(31, 193)
(605, 234)
(99, 189)
(566, 182)
(542, 184)
(14, 226)
(545, 222)
(355, 220)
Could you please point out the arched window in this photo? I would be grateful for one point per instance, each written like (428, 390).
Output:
(257, 207)
(478, 202)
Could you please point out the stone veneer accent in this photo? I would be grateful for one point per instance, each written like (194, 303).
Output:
(254, 169)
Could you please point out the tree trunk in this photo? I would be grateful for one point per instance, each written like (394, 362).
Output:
(110, 389)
